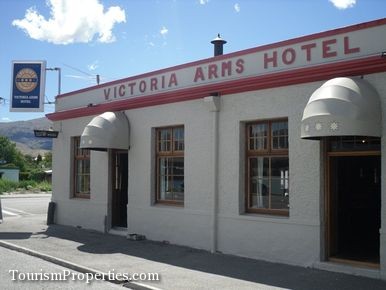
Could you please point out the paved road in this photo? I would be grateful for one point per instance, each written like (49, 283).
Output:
(23, 206)
(179, 267)
(14, 267)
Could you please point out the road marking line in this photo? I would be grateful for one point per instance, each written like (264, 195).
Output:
(9, 213)
(17, 210)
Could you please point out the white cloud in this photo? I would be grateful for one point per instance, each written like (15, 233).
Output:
(237, 7)
(164, 31)
(93, 66)
(343, 4)
(203, 2)
(156, 40)
(72, 21)
(5, 119)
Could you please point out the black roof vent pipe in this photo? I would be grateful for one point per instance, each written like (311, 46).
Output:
(218, 43)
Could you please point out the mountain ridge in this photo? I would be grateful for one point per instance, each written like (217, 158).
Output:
(21, 133)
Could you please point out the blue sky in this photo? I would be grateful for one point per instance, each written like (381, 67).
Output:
(121, 38)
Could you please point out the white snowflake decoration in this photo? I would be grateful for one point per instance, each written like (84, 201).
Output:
(334, 126)
(318, 126)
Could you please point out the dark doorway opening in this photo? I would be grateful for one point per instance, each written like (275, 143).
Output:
(119, 189)
(354, 207)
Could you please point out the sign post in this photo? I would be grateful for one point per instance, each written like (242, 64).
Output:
(1, 213)
(28, 86)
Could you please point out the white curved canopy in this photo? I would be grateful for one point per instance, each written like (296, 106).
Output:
(109, 130)
(342, 107)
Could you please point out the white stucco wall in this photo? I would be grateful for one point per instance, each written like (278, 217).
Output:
(257, 236)
(378, 81)
(296, 239)
(86, 213)
(188, 225)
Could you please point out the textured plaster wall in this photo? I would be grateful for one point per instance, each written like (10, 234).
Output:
(378, 81)
(297, 239)
(188, 225)
(87, 213)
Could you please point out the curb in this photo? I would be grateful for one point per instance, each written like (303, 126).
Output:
(75, 267)
(25, 195)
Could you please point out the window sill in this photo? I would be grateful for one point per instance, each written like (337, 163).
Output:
(80, 197)
(264, 217)
(269, 219)
(268, 212)
(169, 203)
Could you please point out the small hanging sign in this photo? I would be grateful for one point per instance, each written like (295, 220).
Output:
(46, 133)
(28, 86)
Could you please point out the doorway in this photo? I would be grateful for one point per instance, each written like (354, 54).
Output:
(119, 189)
(354, 207)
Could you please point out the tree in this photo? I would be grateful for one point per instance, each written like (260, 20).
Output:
(9, 153)
(39, 159)
(7, 150)
(47, 160)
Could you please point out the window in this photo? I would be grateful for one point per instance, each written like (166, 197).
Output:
(81, 186)
(170, 165)
(353, 143)
(267, 167)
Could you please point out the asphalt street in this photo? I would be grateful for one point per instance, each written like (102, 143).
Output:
(15, 207)
(179, 267)
(21, 271)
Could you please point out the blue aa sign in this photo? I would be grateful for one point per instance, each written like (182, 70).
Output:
(28, 86)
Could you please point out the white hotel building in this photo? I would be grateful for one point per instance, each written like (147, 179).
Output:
(273, 153)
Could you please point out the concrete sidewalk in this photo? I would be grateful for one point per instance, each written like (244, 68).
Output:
(25, 194)
(179, 267)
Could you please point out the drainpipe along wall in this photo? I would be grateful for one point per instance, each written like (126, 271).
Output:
(213, 104)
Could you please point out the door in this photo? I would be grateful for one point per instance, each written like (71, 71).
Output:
(119, 189)
(354, 202)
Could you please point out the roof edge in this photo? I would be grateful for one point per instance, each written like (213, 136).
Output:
(336, 31)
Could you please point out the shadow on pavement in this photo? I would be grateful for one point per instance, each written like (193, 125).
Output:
(256, 271)
(15, 236)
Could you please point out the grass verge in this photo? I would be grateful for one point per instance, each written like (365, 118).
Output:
(9, 186)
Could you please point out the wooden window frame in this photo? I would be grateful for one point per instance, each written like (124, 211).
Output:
(267, 152)
(85, 155)
(172, 153)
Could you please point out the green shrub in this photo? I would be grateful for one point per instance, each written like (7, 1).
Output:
(38, 175)
(45, 186)
(27, 184)
(7, 185)
(9, 165)
(24, 175)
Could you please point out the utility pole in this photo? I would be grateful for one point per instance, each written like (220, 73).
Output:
(58, 69)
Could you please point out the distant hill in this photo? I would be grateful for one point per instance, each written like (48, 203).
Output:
(21, 132)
